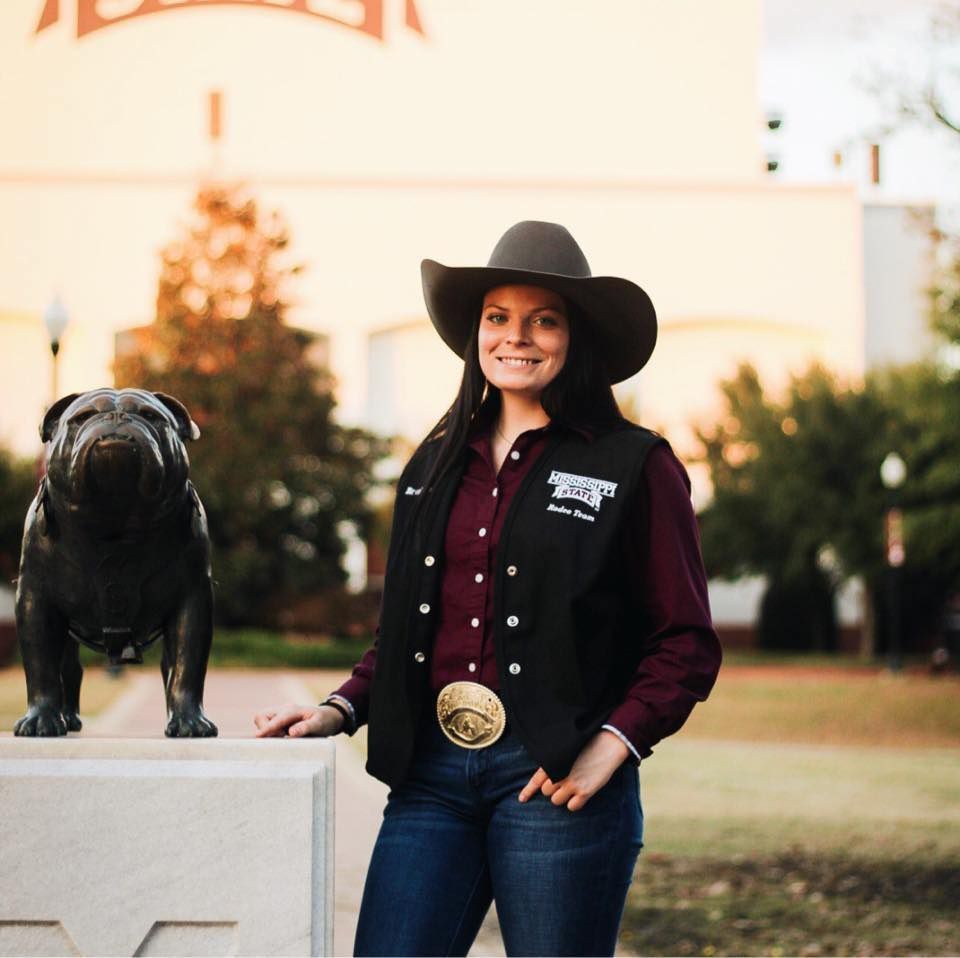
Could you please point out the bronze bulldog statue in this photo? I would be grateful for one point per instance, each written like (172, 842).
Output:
(115, 556)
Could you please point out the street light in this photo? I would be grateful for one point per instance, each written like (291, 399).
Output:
(893, 473)
(55, 318)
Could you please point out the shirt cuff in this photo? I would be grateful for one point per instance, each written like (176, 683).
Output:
(356, 690)
(351, 724)
(623, 738)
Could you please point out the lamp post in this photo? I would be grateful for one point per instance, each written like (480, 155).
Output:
(893, 473)
(55, 318)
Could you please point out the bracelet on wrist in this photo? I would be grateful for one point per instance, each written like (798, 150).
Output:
(347, 726)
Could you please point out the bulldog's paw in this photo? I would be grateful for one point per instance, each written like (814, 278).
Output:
(72, 721)
(190, 723)
(41, 720)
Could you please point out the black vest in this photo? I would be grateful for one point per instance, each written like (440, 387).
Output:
(567, 633)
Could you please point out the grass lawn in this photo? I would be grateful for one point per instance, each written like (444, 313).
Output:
(260, 648)
(97, 691)
(244, 648)
(792, 903)
(801, 812)
(789, 849)
(775, 703)
(804, 813)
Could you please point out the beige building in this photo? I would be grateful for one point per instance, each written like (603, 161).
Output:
(390, 130)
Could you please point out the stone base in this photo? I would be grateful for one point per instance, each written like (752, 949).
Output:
(166, 847)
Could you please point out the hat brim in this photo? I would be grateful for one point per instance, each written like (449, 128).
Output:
(620, 311)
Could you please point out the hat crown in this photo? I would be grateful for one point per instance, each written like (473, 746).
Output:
(540, 248)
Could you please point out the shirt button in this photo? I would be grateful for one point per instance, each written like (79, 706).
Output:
(496, 492)
(420, 657)
(514, 668)
(475, 622)
(478, 577)
(472, 667)
(482, 533)
(515, 455)
(511, 570)
(424, 608)
(512, 620)
(428, 560)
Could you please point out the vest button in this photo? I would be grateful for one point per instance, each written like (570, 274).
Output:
(428, 560)
(424, 608)
(511, 570)
(512, 621)
(420, 657)
(514, 668)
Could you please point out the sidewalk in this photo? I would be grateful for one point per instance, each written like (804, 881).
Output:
(231, 698)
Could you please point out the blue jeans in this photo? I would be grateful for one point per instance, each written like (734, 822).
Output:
(454, 837)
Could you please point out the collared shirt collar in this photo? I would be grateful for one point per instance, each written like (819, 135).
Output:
(477, 438)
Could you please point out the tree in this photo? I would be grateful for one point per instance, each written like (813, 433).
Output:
(18, 485)
(931, 100)
(797, 497)
(926, 396)
(276, 473)
(924, 399)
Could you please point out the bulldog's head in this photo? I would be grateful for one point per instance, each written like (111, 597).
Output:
(113, 446)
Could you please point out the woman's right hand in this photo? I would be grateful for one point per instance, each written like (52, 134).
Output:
(298, 721)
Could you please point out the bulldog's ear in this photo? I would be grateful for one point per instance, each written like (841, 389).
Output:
(186, 427)
(52, 419)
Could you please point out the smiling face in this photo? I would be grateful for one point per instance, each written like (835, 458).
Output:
(523, 338)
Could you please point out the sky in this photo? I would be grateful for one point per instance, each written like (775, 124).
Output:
(822, 62)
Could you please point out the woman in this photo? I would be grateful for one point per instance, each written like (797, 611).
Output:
(544, 620)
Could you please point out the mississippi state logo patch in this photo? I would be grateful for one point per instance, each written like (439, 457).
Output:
(585, 490)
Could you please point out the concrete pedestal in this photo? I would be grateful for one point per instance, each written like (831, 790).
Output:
(166, 847)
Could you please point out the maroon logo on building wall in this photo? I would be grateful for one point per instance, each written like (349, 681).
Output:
(90, 19)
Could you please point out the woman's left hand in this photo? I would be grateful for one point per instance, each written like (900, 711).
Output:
(600, 758)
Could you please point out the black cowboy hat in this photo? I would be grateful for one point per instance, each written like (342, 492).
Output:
(545, 254)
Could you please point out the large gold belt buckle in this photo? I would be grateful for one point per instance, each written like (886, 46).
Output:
(470, 715)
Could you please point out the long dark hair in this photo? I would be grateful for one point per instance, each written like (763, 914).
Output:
(578, 396)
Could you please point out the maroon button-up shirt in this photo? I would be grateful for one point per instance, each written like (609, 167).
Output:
(660, 546)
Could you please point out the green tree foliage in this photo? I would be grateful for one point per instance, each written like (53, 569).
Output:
(924, 403)
(276, 473)
(796, 480)
(18, 485)
(798, 496)
(945, 296)
(786, 473)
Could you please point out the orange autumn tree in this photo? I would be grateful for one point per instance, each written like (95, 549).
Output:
(275, 471)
